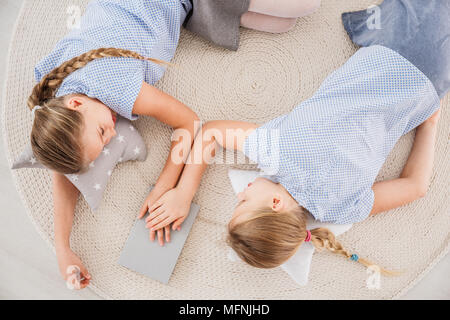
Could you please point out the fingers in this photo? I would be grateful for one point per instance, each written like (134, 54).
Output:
(167, 233)
(154, 206)
(164, 221)
(154, 215)
(151, 199)
(152, 236)
(177, 224)
(78, 279)
(87, 278)
(162, 234)
(84, 283)
(161, 237)
(143, 210)
(85, 273)
(152, 224)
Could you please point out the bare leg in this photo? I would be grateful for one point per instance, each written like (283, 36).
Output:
(284, 8)
(276, 16)
(266, 23)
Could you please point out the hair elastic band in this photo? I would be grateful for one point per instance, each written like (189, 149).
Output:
(34, 110)
(354, 257)
(308, 236)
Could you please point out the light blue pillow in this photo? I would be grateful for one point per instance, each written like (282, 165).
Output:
(419, 30)
(126, 145)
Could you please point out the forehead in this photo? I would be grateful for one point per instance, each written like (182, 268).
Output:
(266, 181)
(242, 212)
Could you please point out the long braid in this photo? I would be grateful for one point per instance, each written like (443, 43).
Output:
(49, 84)
(267, 239)
(55, 137)
(323, 238)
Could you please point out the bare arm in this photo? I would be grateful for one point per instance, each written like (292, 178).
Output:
(175, 203)
(225, 133)
(415, 178)
(165, 108)
(65, 196)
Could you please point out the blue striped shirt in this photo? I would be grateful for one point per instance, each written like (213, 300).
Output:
(148, 27)
(328, 151)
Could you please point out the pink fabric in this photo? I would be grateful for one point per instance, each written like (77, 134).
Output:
(308, 236)
(284, 8)
(276, 16)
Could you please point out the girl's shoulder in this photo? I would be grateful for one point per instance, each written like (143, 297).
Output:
(109, 24)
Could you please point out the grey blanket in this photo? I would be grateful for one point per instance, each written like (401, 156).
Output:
(217, 20)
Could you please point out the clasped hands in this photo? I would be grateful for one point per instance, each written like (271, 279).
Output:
(167, 210)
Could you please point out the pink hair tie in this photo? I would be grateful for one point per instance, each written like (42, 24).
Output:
(308, 236)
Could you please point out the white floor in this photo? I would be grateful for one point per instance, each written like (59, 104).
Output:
(28, 268)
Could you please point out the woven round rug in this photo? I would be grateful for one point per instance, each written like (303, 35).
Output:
(268, 76)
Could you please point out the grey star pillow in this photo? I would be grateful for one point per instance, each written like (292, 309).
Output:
(126, 145)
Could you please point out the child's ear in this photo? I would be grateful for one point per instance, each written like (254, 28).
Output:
(277, 203)
(74, 102)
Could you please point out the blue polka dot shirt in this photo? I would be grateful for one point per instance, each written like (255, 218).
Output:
(149, 27)
(328, 151)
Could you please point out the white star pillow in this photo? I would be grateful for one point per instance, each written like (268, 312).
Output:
(126, 145)
(299, 264)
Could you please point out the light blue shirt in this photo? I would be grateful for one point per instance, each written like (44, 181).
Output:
(149, 27)
(328, 151)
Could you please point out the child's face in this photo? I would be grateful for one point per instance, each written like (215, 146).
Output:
(99, 123)
(261, 193)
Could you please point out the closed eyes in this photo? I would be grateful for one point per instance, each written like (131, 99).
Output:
(101, 133)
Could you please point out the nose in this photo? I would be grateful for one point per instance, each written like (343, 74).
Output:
(240, 196)
(111, 135)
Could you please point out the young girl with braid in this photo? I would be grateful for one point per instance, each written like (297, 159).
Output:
(108, 66)
(320, 159)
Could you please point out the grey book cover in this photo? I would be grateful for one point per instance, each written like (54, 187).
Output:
(149, 258)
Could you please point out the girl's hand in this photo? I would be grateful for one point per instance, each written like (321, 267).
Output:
(153, 196)
(72, 270)
(173, 206)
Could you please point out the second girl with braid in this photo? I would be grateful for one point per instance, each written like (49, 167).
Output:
(108, 66)
(105, 67)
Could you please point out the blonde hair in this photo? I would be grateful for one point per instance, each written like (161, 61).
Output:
(268, 238)
(56, 132)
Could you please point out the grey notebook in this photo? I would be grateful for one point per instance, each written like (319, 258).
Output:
(149, 258)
